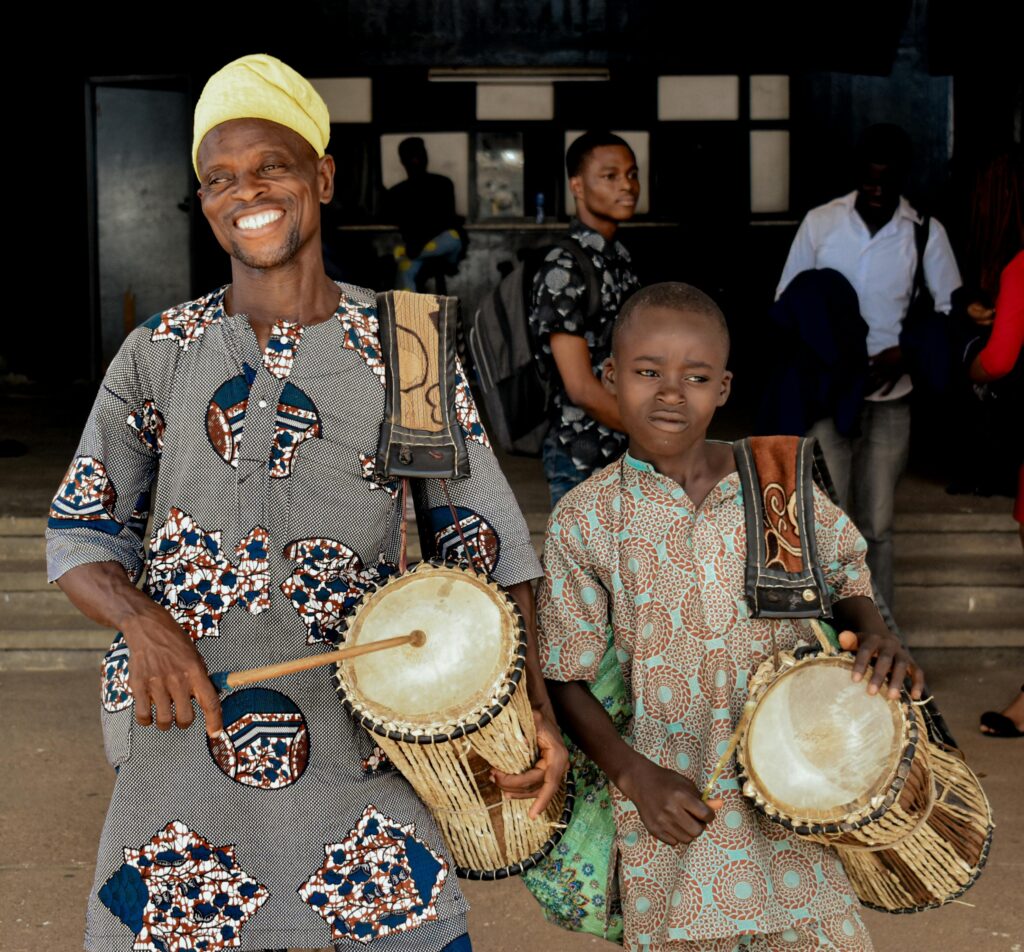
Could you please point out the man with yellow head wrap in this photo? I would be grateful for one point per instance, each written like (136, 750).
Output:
(271, 820)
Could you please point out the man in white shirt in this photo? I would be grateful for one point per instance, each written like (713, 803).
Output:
(868, 236)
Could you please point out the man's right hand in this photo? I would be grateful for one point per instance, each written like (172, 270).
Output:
(669, 804)
(166, 671)
(164, 668)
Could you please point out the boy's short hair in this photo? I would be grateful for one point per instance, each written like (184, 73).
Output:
(581, 147)
(673, 296)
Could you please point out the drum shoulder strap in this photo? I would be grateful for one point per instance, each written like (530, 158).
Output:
(783, 576)
(420, 436)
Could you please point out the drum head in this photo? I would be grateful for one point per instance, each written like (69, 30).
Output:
(819, 746)
(471, 641)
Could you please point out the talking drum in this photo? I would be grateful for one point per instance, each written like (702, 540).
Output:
(835, 764)
(450, 709)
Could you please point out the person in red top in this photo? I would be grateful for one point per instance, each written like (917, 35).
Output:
(999, 356)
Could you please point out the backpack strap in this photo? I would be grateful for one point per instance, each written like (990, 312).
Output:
(921, 230)
(573, 247)
(420, 435)
(783, 576)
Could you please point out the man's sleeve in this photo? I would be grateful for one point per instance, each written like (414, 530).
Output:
(802, 256)
(572, 605)
(559, 293)
(489, 518)
(941, 273)
(841, 550)
(100, 509)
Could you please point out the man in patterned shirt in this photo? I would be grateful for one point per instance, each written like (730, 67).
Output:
(246, 421)
(574, 333)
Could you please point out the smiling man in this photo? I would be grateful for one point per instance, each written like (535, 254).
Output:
(575, 306)
(245, 422)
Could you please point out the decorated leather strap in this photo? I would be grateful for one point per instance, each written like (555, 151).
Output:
(420, 436)
(783, 576)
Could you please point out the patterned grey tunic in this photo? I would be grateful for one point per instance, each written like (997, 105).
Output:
(290, 829)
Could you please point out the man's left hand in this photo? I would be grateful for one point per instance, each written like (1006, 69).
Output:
(544, 778)
(891, 659)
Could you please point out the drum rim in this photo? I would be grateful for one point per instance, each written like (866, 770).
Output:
(766, 677)
(506, 690)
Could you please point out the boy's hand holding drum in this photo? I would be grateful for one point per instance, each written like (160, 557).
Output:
(862, 629)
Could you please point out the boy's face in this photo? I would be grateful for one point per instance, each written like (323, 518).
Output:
(608, 185)
(668, 375)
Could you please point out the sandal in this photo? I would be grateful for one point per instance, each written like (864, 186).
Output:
(999, 725)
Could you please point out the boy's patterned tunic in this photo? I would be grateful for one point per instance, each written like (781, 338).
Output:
(628, 548)
(288, 830)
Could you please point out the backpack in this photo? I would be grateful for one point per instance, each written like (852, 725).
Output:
(514, 388)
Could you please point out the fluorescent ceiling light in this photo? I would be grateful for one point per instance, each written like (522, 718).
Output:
(518, 76)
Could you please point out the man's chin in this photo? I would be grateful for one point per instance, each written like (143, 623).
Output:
(265, 260)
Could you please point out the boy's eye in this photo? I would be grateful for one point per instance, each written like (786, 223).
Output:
(696, 378)
(647, 372)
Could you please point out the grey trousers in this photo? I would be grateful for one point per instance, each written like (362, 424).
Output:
(865, 470)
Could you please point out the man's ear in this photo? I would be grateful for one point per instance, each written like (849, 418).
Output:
(608, 376)
(726, 388)
(576, 187)
(325, 175)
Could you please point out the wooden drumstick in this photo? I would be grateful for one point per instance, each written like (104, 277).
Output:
(730, 749)
(235, 679)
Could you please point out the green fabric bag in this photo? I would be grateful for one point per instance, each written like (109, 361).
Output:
(577, 885)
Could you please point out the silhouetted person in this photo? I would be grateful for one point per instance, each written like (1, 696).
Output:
(868, 236)
(423, 207)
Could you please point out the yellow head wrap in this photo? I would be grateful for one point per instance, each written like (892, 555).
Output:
(262, 87)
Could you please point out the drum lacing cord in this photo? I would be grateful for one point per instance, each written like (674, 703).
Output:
(472, 554)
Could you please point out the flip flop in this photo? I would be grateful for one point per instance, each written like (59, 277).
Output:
(999, 725)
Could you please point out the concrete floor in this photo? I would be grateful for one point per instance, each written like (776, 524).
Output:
(55, 789)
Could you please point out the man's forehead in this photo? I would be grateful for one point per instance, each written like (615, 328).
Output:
(236, 137)
(610, 156)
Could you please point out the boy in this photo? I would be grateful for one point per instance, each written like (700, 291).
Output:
(573, 332)
(654, 544)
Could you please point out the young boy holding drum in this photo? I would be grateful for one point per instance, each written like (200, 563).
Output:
(655, 545)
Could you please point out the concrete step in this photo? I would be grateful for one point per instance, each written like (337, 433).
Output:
(21, 548)
(917, 544)
(935, 522)
(942, 601)
(25, 575)
(970, 571)
(96, 640)
(51, 660)
(984, 631)
(22, 526)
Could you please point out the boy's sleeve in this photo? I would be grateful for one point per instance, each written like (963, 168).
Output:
(100, 509)
(572, 605)
(559, 293)
(488, 513)
(841, 550)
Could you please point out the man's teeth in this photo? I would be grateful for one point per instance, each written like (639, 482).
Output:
(258, 221)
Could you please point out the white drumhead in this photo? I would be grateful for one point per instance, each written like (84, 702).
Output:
(819, 745)
(466, 655)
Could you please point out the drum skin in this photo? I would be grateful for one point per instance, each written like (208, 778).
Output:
(449, 710)
(819, 746)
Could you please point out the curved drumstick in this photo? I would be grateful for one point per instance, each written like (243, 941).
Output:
(234, 679)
